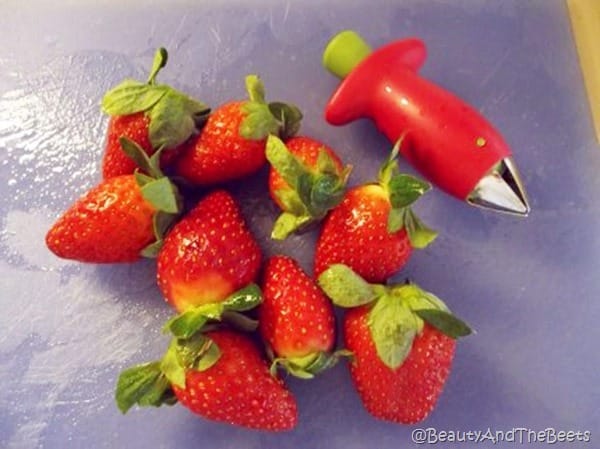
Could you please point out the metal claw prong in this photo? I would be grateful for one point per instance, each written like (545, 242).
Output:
(501, 189)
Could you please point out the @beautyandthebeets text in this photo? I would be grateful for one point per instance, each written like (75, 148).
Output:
(516, 435)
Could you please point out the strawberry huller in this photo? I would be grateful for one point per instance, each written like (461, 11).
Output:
(448, 141)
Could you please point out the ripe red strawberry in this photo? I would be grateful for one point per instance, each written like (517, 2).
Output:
(408, 393)
(356, 233)
(111, 223)
(403, 342)
(306, 180)
(232, 143)
(207, 255)
(296, 319)
(119, 220)
(373, 230)
(151, 115)
(220, 376)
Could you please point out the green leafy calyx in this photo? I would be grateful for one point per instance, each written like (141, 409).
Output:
(144, 385)
(131, 96)
(346, 288)
(191, 321)
(155, 188)
(311, 191)
(197, 353)
(397, 313)
(310, 365)
(262, 118)
(174, 116)
(150, 384)
(445, 322)
(393, 328)
(403, 191)
(244, 299)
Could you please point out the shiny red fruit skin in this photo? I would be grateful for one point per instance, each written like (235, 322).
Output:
(219, 154)
(295, 319)
(111, 223)
(410, 392)
(355, 233)
(135, 127)
(306, 150)
(207, 255)
(239, 389)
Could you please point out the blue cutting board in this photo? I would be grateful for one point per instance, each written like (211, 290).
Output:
(529, 286)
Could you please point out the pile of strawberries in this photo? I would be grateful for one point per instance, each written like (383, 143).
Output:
(242, 321)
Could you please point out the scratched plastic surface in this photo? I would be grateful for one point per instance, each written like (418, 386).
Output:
(529, 286)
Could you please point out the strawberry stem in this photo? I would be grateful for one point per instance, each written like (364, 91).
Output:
(160, 60)
(255, 89)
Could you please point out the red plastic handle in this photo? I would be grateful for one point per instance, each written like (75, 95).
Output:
(449, 142)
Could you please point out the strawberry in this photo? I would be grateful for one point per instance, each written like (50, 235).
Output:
(208, 255)
(296, 319)
(120, 219)
(374, 229)
(306, 180)
(411, 390)
(402, 339)
(232, 143)
(219, 375)
(150, 114)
